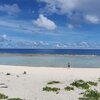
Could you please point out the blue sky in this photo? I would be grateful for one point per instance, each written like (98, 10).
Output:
(50, 24)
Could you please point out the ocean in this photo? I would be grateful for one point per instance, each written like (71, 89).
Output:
(53, 51)
(78, 58)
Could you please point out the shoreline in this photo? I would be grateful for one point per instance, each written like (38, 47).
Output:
(47, 67)
(20, 54)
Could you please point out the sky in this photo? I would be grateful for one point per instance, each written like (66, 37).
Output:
(60, 24)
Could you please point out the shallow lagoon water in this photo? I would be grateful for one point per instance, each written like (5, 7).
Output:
(51, 60)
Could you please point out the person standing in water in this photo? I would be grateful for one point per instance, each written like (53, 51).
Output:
(68, 65)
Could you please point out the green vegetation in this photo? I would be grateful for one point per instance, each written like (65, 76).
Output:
(53, 82)
(84, 85)
(99, 79)
(92, 83)
(68, 88)
(15, 99)
(80, 84)
(3, 96)
(49, 89)
(90, 95)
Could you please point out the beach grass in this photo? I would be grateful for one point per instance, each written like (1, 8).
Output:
(86, 86)
(54, 82)
(90, 95)
(3, 96)
(69, 88)
(98, 79)
(80, 84)
(49, 89)
(15, 99)
(92, 83)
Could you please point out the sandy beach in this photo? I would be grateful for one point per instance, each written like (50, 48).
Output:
(29, 86)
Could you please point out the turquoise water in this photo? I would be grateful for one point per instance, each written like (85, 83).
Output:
(52, 61)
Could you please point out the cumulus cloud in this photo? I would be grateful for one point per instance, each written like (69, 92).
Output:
(83, 44)
(92, 19)
(7, 43)
(10, 9)
(22, 44)
(60, 6)
(3, 38)
(71, 8)
(44, 22)
(43, 43)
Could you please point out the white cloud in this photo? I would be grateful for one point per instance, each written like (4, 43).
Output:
(10, 9)
(44, 22)
(70, 26)
(92, 19)
(25, 27)
(3, 38)
(79, 7)
(58, 46)
(43, 43)
(60, 6)
(66, 6)
(83, 44)
(24, 44)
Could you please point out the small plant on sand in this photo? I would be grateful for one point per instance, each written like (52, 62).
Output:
(49, 89)
(54, 82)
(98, 79)
(3, 96)
(8, 74)
(92, 83)
(80, 84)
(90, 95)
(15, 99)
(68, 88)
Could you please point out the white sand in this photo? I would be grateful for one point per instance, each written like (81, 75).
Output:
(29, 86)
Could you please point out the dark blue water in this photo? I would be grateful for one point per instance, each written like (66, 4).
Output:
(53, 51)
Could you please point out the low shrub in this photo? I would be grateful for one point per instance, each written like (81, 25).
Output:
(68, 88)
(3, 96)
(80, 84)
(92, 83)
(99, 79)
(15, 99)
(49, 89)
(90, 95)
(53, 82)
